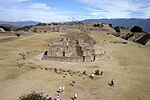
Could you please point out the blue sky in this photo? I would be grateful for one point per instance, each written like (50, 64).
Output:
(71, 10)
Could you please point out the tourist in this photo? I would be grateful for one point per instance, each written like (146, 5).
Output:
(48, 97)
(84, 72)
(112, 83)
(97, 72)
(75, 96)
(92, 75)
(63, 88)
(58, 97)
(59, 89)
(72, 83)
(101, 73)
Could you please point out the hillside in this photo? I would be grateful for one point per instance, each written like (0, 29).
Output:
(128, 23)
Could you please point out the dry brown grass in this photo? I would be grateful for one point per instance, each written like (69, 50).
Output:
(129, 66)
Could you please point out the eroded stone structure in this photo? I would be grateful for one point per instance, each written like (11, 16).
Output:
(72, 48)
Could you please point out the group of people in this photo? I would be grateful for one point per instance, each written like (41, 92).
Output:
(61, 89)
(97, 72)
(73, 83)
(48, 97)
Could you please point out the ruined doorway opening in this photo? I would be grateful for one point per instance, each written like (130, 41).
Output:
(63, 53)
(45, 53)
(93, 57)
(83, 58)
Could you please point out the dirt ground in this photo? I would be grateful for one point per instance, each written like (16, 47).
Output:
(128, 64)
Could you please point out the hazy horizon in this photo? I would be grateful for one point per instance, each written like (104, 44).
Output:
(72, 10)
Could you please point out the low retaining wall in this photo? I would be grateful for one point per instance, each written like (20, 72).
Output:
(63, 59)
(68, 59)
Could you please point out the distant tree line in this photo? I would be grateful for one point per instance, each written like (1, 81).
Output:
(98, 25)
(43, 24)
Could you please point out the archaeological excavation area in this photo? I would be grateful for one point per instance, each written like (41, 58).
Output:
(45, 60)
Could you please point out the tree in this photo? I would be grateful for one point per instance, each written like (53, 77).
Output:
(96, 25)
(32, 96)
(54, 23)
(18, 34)
(136, 29)
(117, 29)
(41, 24)
(110, 25)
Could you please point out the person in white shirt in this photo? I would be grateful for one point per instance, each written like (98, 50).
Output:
(63, 88)
(92, 75)
(75, 96)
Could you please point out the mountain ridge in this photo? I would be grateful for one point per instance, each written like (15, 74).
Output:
(126, 22)
(20, 23)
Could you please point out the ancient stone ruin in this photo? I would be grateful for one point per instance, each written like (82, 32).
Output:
(2, 30)
(73, 47)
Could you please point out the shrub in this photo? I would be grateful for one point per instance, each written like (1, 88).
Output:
(136, 29)
(32, 96)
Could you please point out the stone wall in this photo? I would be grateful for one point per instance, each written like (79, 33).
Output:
(70, 59)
